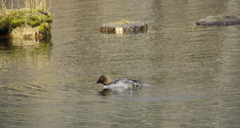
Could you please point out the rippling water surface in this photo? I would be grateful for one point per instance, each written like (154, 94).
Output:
(194, 71)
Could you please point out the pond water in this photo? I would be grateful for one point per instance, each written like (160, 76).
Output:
(194, 71)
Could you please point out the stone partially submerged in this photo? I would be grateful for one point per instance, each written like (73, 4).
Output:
(124, 26)
(219, 21)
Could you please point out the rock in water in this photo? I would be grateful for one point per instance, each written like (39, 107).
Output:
(124, 26)
(219, 21)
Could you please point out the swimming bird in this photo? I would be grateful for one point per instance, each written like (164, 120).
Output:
(121, 83)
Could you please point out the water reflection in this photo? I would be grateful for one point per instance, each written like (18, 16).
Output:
(119, 92)
(193, 70)
(23, 62)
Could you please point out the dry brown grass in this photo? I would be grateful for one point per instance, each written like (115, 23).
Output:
(28, 4)
(36, 4)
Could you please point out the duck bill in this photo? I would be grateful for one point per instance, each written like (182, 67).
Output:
(97, 82)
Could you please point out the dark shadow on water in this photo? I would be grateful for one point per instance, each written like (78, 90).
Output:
(106, 92)
(118, 92)
(4, 44)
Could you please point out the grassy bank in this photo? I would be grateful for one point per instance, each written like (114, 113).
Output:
(33, 13)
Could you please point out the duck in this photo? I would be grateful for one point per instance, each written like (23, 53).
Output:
(121, 83)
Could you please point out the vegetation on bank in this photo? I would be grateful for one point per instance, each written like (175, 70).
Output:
(33, 13)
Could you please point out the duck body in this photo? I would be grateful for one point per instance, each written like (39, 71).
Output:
(121, 83)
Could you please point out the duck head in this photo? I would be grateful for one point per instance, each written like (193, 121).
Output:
(104, 80)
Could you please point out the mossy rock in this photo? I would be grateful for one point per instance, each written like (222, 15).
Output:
(124, 26)
(44, 28)
(219, 21)
(33, 21)
(15, 22)
(4, 23)
(22, 20)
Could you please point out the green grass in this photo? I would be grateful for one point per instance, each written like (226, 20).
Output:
(31, 14)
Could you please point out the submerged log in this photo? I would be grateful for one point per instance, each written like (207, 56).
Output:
(219, 21)
(124, 26)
